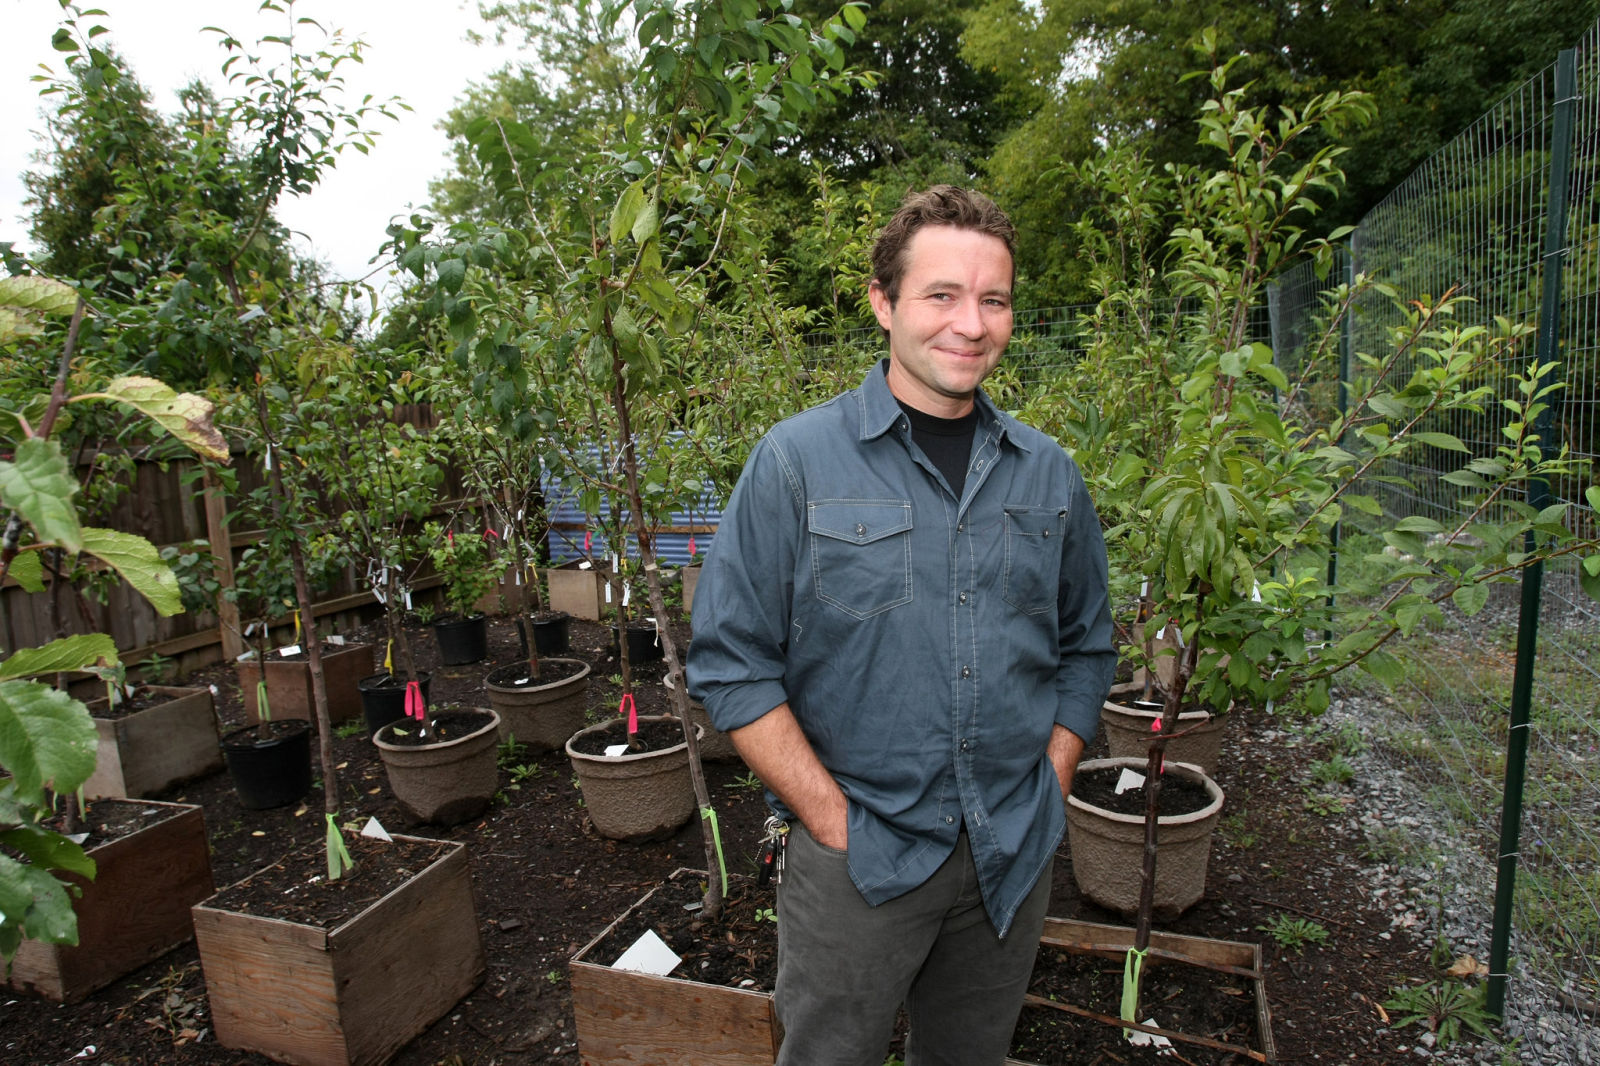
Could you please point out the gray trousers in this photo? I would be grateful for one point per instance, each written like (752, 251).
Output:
(844, 968)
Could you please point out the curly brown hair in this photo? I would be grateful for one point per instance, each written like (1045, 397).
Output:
(940, 205)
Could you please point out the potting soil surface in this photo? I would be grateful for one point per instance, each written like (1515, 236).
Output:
(546, 885)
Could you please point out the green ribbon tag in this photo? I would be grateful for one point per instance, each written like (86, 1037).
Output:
(710, 815)
(339, 861)
(263, 712)
(1131, 965)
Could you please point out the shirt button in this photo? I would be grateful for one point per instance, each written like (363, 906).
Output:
(949, 819)
(1047, 534)
(963, 597)
(861, 530)
(980, 464)
(966, 671)
(961, 527)
(963, 745)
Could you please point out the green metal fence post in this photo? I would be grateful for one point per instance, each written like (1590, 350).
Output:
(1345, 329)
(1555, 249)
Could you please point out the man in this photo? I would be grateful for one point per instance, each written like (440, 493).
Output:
(903, 627)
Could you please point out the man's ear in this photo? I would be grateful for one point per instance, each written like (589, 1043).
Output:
(881, 307)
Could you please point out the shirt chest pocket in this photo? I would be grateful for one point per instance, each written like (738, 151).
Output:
(861, 554)
(1033, 556)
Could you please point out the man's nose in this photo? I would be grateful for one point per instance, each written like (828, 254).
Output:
(968, 320)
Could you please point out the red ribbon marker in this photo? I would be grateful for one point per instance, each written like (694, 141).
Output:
(414, 706)
(586, 542)
(450, 535)
(691, 545)
(626, 706)
(489, 533)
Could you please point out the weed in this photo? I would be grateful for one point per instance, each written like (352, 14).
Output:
(1326, 804)
(345, 730)
(1293, 934)
(554, 977)
(1445, 1006)
(509, 753)
(748, 781)
(1350, 740)
(1333, 771)
(766, 914)
(1236, 831)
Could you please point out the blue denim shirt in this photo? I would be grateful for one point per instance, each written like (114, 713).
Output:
(925, 644)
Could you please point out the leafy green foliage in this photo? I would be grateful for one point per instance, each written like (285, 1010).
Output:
(1446, 1007)
(1294, 934)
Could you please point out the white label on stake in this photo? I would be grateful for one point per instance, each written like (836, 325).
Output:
(1129, 779)
(608, 592)
(649, 954)
(408, 599)
(335, 639)
(1155, 1040)
(613, 750)
(586, 565)
(376, 831)
(627, 594)
(288, 650)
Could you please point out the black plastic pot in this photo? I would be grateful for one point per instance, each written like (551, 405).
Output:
(550, 633)
(462, 640)
(644, 646)
(270, 773)
(383, 698)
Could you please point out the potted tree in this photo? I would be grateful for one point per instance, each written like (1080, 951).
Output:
(1213, 481)
(468, 572)
(66, 949)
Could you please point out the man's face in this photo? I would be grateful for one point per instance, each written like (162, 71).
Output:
(951, 321)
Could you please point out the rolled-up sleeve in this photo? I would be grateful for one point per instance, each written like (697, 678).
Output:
(742, 604)
(1088, 651)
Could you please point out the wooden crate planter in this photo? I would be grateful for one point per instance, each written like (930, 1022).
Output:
(625, 1017)
(580, 593)
(136, 909)
(289, 684)
(691, 581)
(352, 995)
(1112, 942)
(149, 751)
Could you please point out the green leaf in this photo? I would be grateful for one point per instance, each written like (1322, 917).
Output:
(140, 564)
(1234, 363)
(38, 294)
(1384, 667)
(1470, 598)
(38, 484)
(34, 904)
(183, 414)
(87, 651)
(1418, 524)
(46, 738)
(28, 569)
(1592, 494)
(1440, 440)
(647, 224)
(1589, 577)
(855, 15)
(452, 272)
(626, 212)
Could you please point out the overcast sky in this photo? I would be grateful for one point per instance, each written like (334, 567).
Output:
(415, 50)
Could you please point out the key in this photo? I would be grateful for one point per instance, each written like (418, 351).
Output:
(775, 835)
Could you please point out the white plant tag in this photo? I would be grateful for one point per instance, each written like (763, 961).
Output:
(1155, 1040)
(246, 656)
(376, 831)
(649, 954)
(586, 565)
(627, 594)
(335, 639)
(613, 750)
(608, 592)
(288, 650)
(408, 599)
(1129, 779)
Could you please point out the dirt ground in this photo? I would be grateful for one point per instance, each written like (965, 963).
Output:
(546, 884)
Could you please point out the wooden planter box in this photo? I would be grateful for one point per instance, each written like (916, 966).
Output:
(639, 1018)
(136, 908)
(691, 581)
(1112, 942)
(353, 994)
(625, 1018)
(289, 684)
(149, 751)
(581, 593)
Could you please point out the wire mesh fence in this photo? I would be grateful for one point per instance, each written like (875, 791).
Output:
(1475, 222)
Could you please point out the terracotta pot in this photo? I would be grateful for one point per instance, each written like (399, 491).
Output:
(639, 796)
(444, 782)
(149, 751)
(714, 744)
(289, 683)
(1108, 848)
(352, 995)
(136, 908)
(1127, 723)
(541, 716)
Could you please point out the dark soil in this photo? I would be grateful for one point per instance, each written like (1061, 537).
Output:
(142, 698)
(515, 675)
(653, 735)
(246, 736)
(546, 885)
(1178, 795)
(296, 888)
(447, 726)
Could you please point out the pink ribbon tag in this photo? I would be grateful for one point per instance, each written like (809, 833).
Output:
(414, 706)
(626, 706)
(450, 535)
(489, 533)
(691, 545)
(586, 536)
(1155, 726)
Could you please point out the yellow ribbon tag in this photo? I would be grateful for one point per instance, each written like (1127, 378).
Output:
(388, 658)
(296, 627)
